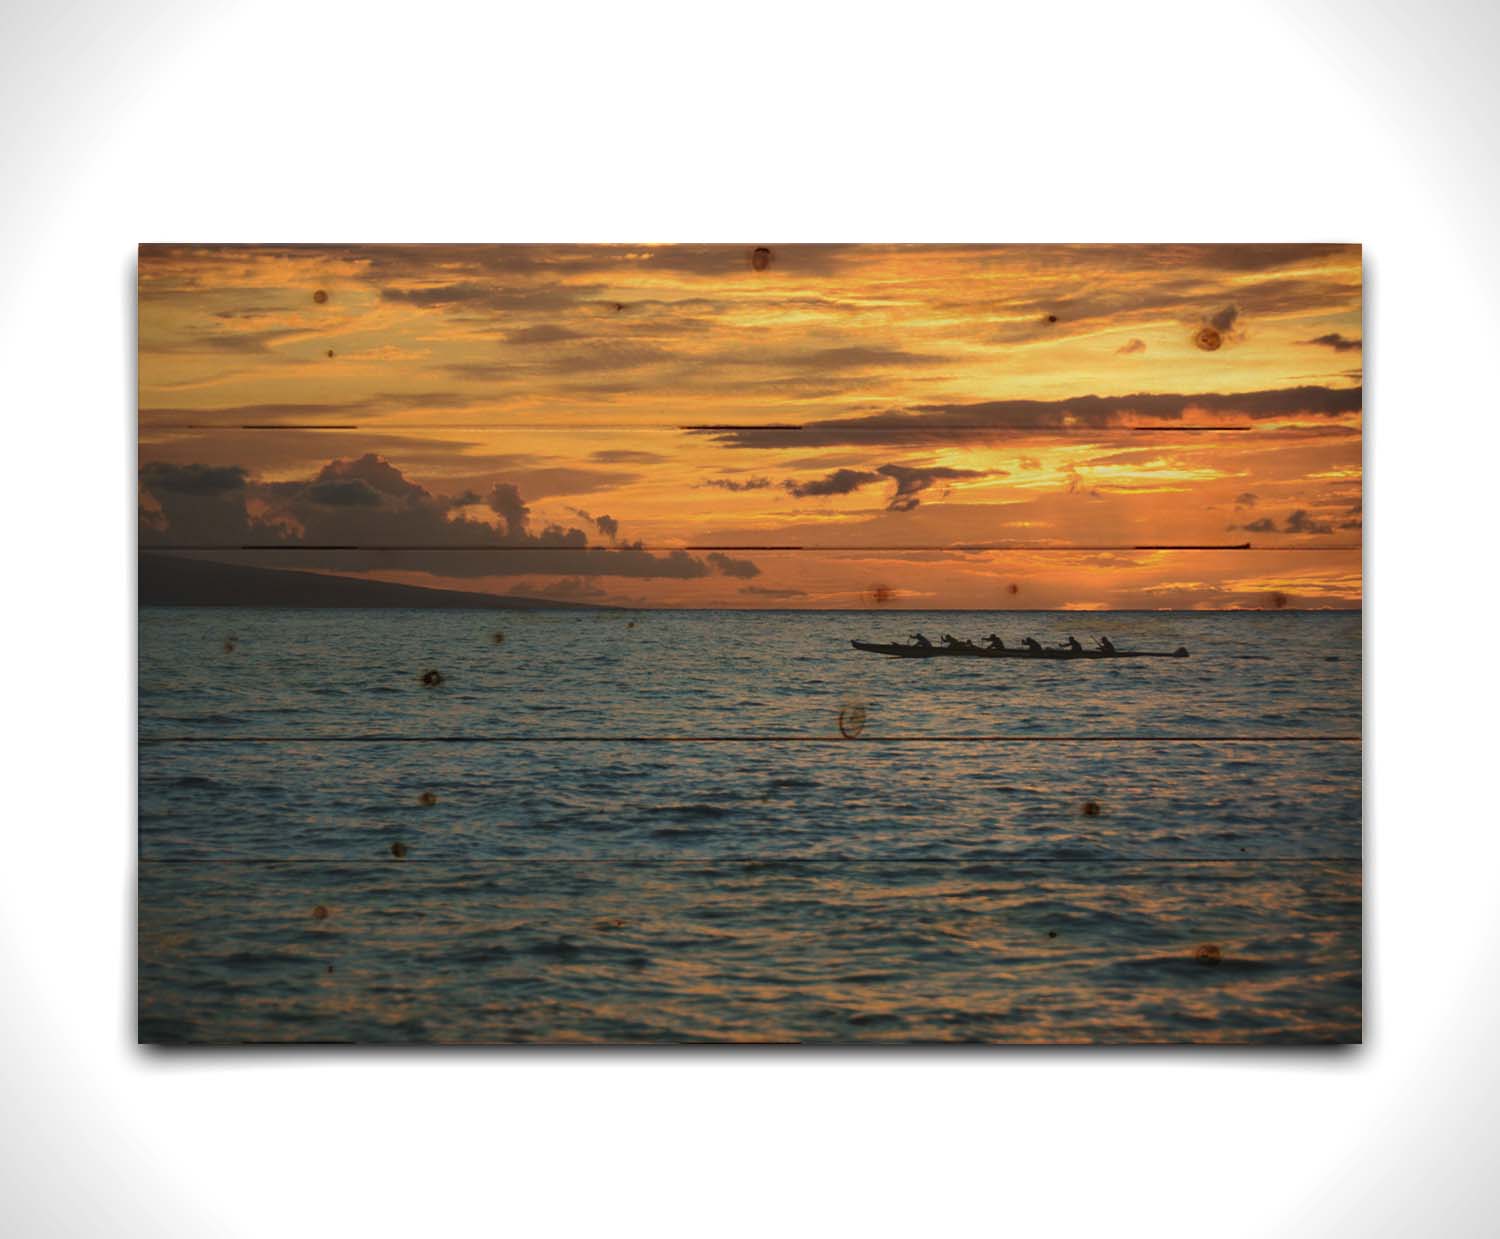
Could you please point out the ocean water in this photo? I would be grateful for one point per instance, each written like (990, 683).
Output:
(689, 826)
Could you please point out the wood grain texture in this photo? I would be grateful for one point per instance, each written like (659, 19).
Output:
(598, 804)
(1055, 487)
(623, 675)
(496, 679)
(995, 951)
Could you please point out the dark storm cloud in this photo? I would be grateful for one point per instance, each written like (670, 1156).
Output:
(463, 460)
(729, 566)
(976, 422)
(1246, 500)
(375, 472)
(1132, 346)
(835, 360)
(625, 456)
(736, 485)
(491, 296)
(356, 493)
(367, 501)
(762, 591)
(839, 482)
(1301, 521)
(159, 477)
(1224, 320)
(912, 481)
(505, 501)
(207, 500)
(606, 525)
(1337, 342)
(542, 333)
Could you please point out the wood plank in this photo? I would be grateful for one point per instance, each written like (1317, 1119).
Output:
(874, 579)
(694, 334)
(332, 674)
(667, 488)
(599, 804)
(998, 951)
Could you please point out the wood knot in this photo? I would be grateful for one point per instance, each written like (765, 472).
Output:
(852, 719)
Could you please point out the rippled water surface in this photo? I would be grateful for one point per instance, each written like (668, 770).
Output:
(649, 826)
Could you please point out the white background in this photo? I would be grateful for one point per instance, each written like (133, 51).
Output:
(271, 122)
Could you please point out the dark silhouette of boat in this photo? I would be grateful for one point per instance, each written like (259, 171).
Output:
(974, 651)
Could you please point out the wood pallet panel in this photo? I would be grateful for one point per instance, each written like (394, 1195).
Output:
(495, 673)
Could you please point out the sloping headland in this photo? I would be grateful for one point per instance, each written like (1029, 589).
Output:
(172, 581)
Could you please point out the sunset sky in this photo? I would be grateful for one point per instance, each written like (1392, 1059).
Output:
(592, 422)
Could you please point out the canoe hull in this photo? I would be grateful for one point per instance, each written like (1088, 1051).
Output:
(1044, 655)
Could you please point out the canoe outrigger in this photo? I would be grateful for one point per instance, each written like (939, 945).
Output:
(973, 651)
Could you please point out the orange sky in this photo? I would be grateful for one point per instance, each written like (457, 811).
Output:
(518, 412)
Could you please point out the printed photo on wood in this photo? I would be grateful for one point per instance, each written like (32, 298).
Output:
(750, 643)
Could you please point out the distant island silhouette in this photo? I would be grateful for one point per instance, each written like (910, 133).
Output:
(174, 581)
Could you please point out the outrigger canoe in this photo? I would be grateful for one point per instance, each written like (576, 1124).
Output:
(974, 651)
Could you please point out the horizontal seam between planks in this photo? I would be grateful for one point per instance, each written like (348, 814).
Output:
(950, 549)
(749, 739)
(150, 422)
(482, 862)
